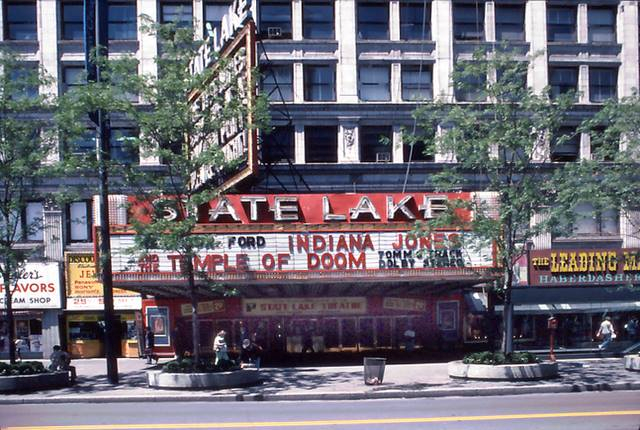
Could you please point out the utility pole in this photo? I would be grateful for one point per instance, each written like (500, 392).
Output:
(96, 39)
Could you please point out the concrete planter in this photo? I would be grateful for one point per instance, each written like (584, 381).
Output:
(632, 362)
(40, 381)
(503, 372)
(238, 378)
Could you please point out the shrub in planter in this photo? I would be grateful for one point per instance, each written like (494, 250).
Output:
(22, 368)
(204, 366)
(497, 358)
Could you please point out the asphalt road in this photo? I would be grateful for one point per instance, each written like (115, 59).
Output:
(619, 410)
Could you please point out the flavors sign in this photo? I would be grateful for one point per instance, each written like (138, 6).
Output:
(38, 287)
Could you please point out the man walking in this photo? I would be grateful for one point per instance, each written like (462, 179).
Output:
(606, 332)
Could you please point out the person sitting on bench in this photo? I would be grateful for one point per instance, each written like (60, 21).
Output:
(61, 361)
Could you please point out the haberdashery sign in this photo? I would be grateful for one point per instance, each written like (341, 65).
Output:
(84, 290)
(304, 306)
(38, 287)
(582, 267)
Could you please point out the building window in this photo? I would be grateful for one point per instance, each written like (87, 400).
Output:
(563, 80)
(85, 144)
(509, 22)
(602, 25)
(277, 146)
(213, 13)
(180, 14)
(79, 221)
(565, 145)
(122, 149)
(602, 84)
(561, 24)
(417, 150)
(32, 224)
(275, 20)
(317, 20)
(73, 76)
(72, 21)
(373, 21)
(374, 83)
(122, 21)
(375, 143)
(415, 21)
(603, 148)
(25, 81)
(468, 21)
(319, 83)
(471, 88)
(277, 82)
(321, 144)
(20, 21)
(416, 83)
(589, 222)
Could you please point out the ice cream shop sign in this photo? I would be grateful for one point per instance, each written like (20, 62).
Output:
(313, 237)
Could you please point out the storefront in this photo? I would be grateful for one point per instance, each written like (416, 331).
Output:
(84, 312)
(335, 272)
(36, 305)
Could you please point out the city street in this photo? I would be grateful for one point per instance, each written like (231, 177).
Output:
(585, 411)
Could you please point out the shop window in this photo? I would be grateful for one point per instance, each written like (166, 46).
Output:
(475, 328)
(84, 330)
(180, 14)
(565, 145)
(121, 23)
(602, 25)
(72, 21)
(321, 144)
(603, 83)
(122, 149)
(373, 21)
(375, 143)
(415, 21)
(468, 21)
(374, 83)
(471, 88)
(589, 222)
(563, 80)
(509, 22)
(213, 13)
(277, 82)
(561, 24)
(277, 146)
(523, 328)
(317, 20)
(275, 20)
(73, 77)
(32, 222)
(79, 221)
(319, 83)
(20, 21)
(417, 83)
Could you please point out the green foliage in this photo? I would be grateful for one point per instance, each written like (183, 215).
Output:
(22, 368)
(204, 366)
(497, 358)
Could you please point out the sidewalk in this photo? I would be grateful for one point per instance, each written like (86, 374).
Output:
(330, 383)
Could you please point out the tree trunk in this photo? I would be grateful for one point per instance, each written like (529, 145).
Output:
(195, 323)
(507, 313)
(10, 321)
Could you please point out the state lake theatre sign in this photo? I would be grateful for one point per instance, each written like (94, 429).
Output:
(330, 244)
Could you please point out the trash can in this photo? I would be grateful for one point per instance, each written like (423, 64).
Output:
(374, 370)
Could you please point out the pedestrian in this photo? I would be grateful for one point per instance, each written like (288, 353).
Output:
(21, 345)
(251, 353)
(631, 327)
(409, 339)
(220, 348)
(61, 361)
(606, 332)
(307, 341)
(149, 344)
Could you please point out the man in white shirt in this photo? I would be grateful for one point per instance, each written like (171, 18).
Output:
(606, 332)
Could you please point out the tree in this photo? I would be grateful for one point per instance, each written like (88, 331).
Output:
(28, 146)
(500, 148)
(181, 117)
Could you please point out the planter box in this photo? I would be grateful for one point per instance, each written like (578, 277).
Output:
(40, 381)
(237, 378)
(632, 362)
(503, 372)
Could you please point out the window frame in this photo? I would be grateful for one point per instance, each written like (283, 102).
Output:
(274, 96)
(125, 132)
(574, 141)
(593, 26)
(88, 221)
(271, 142)
(502, 26)
(310, 87)
(562, 88)
(412, 29)
(372, 32)
(214, 24)
(406, 88)
(613, 87)
(264, 30)
(369, 150)
(25, 222)
(31, 32)
(110, 21)
(66, 86)
(329, 149)
(306, 22)
(551, 35)
(459, 22)
(365, 87)
(66, 22)
(178, 4)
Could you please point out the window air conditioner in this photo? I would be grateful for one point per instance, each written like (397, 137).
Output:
(274, 32)
(383, 157)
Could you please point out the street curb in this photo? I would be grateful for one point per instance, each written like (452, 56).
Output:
(368, 395)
